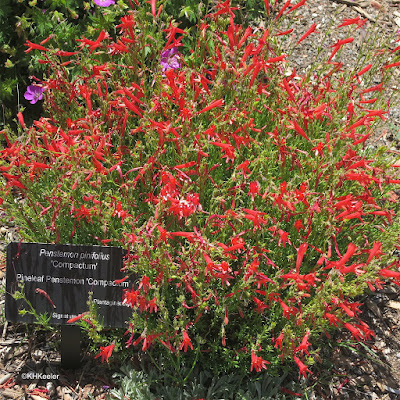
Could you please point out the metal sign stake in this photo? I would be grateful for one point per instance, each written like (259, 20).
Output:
(70, 346)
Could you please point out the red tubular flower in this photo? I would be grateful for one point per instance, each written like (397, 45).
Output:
(243, 167)
(145, 284)
(77, 318)
(300, 255)
(333, 319)
(254, 188)
(130, 297)
(279, 341)
(222, 271)
(283, 237)
(148, 340)
(287, 311)
(258, 363)
(105, 352)
(276, 59)
(304, 345)
(353, 21)
(296, 6)
(357, 335)
(164, 235)
(45, 294)
(343, 41)
(21, 119)
(338, 45)
(285, 6)
(266, 3)
(91, 43)
(363, 71)
(302, 367)
(32, 46)
(256, 217)
(261, 306)
(153, 5)
(347, 310)
(365, 329)
(224, 8)
(118, 281)
(296, 127)
(298, 225)
(396, 64)
(186, 342)
(376, 251)
(213, 104)
(228, 149)
(387, 273)
(311, 30)
(351, 249)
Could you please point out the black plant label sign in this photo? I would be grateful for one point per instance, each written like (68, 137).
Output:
(57, 280)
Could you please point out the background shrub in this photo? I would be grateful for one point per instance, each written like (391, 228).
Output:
(37, 20)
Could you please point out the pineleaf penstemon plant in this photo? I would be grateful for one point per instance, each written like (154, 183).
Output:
(247, 198)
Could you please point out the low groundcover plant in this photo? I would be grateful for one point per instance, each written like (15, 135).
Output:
(245, 194)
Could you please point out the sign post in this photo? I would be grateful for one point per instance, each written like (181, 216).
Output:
(70, 346)
(57, 280)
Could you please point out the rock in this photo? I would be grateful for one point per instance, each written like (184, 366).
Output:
(376, 4)
(5, 354)
(381, 386)
(38, 355)
(5, 378)
(392, 390)
(12, 394)
(67, 394)
(59, 391)
(367, 369)
(51, 387)
(88, 391)
(394, 304)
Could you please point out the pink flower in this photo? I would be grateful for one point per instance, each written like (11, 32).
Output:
(104, 3)
(34, 93)
(170, 59)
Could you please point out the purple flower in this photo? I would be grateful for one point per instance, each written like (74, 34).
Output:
(170, 59)
(104, 3)
(33, 93)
